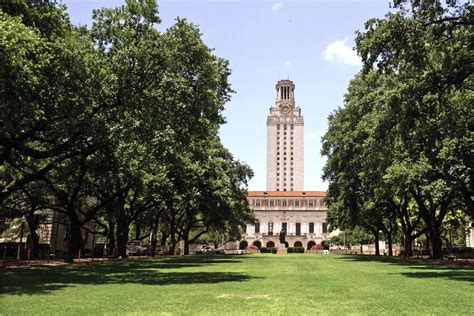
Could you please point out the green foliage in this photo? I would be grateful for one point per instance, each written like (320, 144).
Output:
(404, 134)
(295, 249)
(118, 124)
(351, 237)
(268, 250)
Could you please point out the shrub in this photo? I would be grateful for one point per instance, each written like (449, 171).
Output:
(299, 249)
(268, 250)
(295, 249)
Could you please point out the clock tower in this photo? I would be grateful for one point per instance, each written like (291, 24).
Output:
(285, 141)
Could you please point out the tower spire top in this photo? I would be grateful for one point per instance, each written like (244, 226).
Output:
(285, 90)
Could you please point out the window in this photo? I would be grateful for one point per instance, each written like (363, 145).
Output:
(278, 153)
(298, 229)
(297, 202)
(278, 174)
(284, 227)
(278, 126)
(291, 158)
(311, 228)
(284, 133)
(278, 133)
(270, 228)
(321, 203)
(311, 203)
(278, 158)
(325, 228)
(257, 202)
(284, 153)
(284, 203)
(284, 126)
(284, 158)
(272, 202)
(257, 228)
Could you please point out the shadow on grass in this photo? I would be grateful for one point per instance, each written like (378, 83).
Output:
(147, 272)
(422, 269)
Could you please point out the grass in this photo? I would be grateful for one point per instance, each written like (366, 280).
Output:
(247, 284)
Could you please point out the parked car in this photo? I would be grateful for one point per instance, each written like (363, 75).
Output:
(135, 248)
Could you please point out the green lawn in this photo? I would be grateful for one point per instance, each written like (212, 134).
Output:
(247, 284)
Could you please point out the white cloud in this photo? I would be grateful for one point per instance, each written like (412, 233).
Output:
(288, 63)
(277, 6)
(338, 51)
(311, 136)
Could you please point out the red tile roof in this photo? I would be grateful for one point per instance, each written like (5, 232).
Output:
(286, 193)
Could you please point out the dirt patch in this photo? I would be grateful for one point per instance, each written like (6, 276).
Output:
(243, 296)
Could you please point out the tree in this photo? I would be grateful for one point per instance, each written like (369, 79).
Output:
(405, 136)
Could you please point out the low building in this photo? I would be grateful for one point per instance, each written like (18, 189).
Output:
(300, 214)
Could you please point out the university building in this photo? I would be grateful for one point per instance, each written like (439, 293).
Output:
(285, 206)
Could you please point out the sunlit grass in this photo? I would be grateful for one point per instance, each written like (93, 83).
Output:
(250, 284)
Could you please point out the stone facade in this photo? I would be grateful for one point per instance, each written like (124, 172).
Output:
(285, 206)
(285, 141)
(302, 214)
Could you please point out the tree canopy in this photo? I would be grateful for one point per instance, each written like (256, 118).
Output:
(117, 124)
(401, 147)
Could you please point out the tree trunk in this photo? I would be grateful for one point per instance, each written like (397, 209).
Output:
(408, 249)
(153, 235)
(74, 241)
(436, 244)
(172, 234)
(186, 242)
(164, 237)
(122, 233)
(111, 232)
(434, 220)
(19, 254)
(377, 248)
(33, 226)
(390, 244)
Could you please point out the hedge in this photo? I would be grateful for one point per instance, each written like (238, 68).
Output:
(268, 250)
(295, 249)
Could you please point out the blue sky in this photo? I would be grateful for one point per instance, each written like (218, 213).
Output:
(309, 41)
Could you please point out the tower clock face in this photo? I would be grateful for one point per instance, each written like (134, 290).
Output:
(285, 109)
